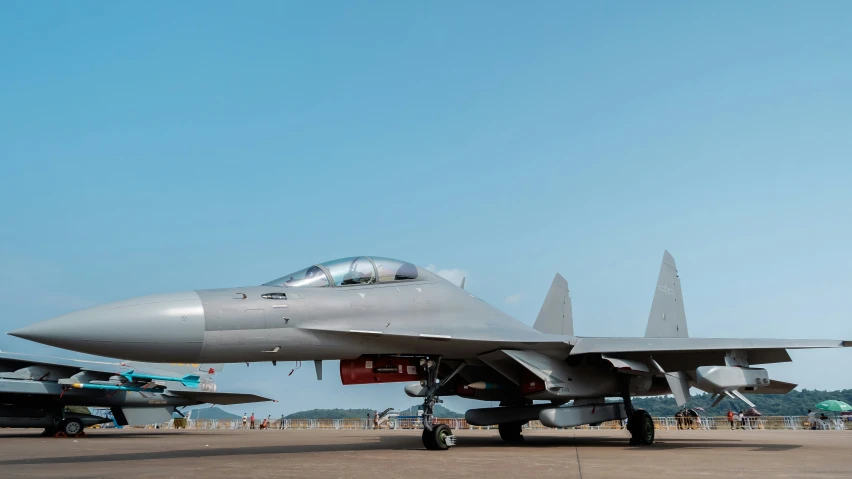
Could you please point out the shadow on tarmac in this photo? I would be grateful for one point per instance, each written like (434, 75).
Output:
(407, 442)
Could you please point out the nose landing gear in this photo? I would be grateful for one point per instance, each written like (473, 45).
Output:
(436, 437)
(440, 438)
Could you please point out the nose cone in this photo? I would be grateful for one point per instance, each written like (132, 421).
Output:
(159, 328)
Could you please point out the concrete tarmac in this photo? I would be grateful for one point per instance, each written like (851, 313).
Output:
(586, 454)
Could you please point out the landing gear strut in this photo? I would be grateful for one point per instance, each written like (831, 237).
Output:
(639, 421)
(435, 437)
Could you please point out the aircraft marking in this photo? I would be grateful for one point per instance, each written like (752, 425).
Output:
(664, 288)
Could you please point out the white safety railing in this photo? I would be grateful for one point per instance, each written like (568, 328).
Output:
(662, 423)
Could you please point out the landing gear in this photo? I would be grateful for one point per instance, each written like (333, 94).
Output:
(440, 438)
(510, 432)
(639, 421)
(641, 427)
(71, 426)
(435, 437)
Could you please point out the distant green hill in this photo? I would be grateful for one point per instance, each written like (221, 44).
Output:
(795, 403)
(440, 411)
(331, 414)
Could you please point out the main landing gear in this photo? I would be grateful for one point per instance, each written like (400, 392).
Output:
(641, 427)
(639, 421)
(68, 427)
(510, 432)
(436, 437)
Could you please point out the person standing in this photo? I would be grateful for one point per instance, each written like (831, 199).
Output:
(742, 420)
(281, 424)
(251, 421)
(245, 420)
(731, 418)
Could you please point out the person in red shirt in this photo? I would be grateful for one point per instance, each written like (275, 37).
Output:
(730, 418)
(251, 421)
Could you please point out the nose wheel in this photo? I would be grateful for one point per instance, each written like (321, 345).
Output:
(440, 438)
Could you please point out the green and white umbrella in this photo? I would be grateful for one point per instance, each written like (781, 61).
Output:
(834, 406)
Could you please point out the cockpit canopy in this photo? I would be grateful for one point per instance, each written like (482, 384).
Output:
(350, 271)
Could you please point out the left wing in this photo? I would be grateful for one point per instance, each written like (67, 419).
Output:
(650, 345)
(205, 397)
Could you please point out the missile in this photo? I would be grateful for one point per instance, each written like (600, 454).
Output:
(715, 379)
(190, 380)
(105, 387)
(484, 385)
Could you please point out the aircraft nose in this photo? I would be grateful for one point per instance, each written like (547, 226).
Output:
(160, 328)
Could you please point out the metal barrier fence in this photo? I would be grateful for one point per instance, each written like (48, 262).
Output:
(663, 423)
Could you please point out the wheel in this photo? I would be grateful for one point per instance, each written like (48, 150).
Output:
(510, 432)
(429, 440)
(641, 427)
(440, 438)
(71, 426)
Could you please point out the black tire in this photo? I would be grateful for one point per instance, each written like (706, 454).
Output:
(435, 440)
(641, 427)
(71, 426)
(510, 432)
(429, 440)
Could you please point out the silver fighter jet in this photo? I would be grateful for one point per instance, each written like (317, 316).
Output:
(391, 321)
(35, 390)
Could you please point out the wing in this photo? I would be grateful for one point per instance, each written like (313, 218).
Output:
(649, 345)
(681, 354)
(204, 397)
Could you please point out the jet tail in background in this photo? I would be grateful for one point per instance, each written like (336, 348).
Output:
(555, 316)
(668, 317)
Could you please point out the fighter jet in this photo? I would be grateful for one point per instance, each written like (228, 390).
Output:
(35, 390)
(391, 321)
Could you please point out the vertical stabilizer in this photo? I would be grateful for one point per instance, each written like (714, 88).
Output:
(555, 316)
(668, 317)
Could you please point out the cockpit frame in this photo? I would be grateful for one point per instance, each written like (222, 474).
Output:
(344, 272)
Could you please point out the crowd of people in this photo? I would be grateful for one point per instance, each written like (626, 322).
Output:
(249, 422)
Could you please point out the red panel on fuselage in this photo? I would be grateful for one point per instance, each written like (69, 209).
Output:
(371, 370)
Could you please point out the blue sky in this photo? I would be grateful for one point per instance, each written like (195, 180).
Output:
(168, 147)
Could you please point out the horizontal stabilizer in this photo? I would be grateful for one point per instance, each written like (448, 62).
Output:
(555, 316)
